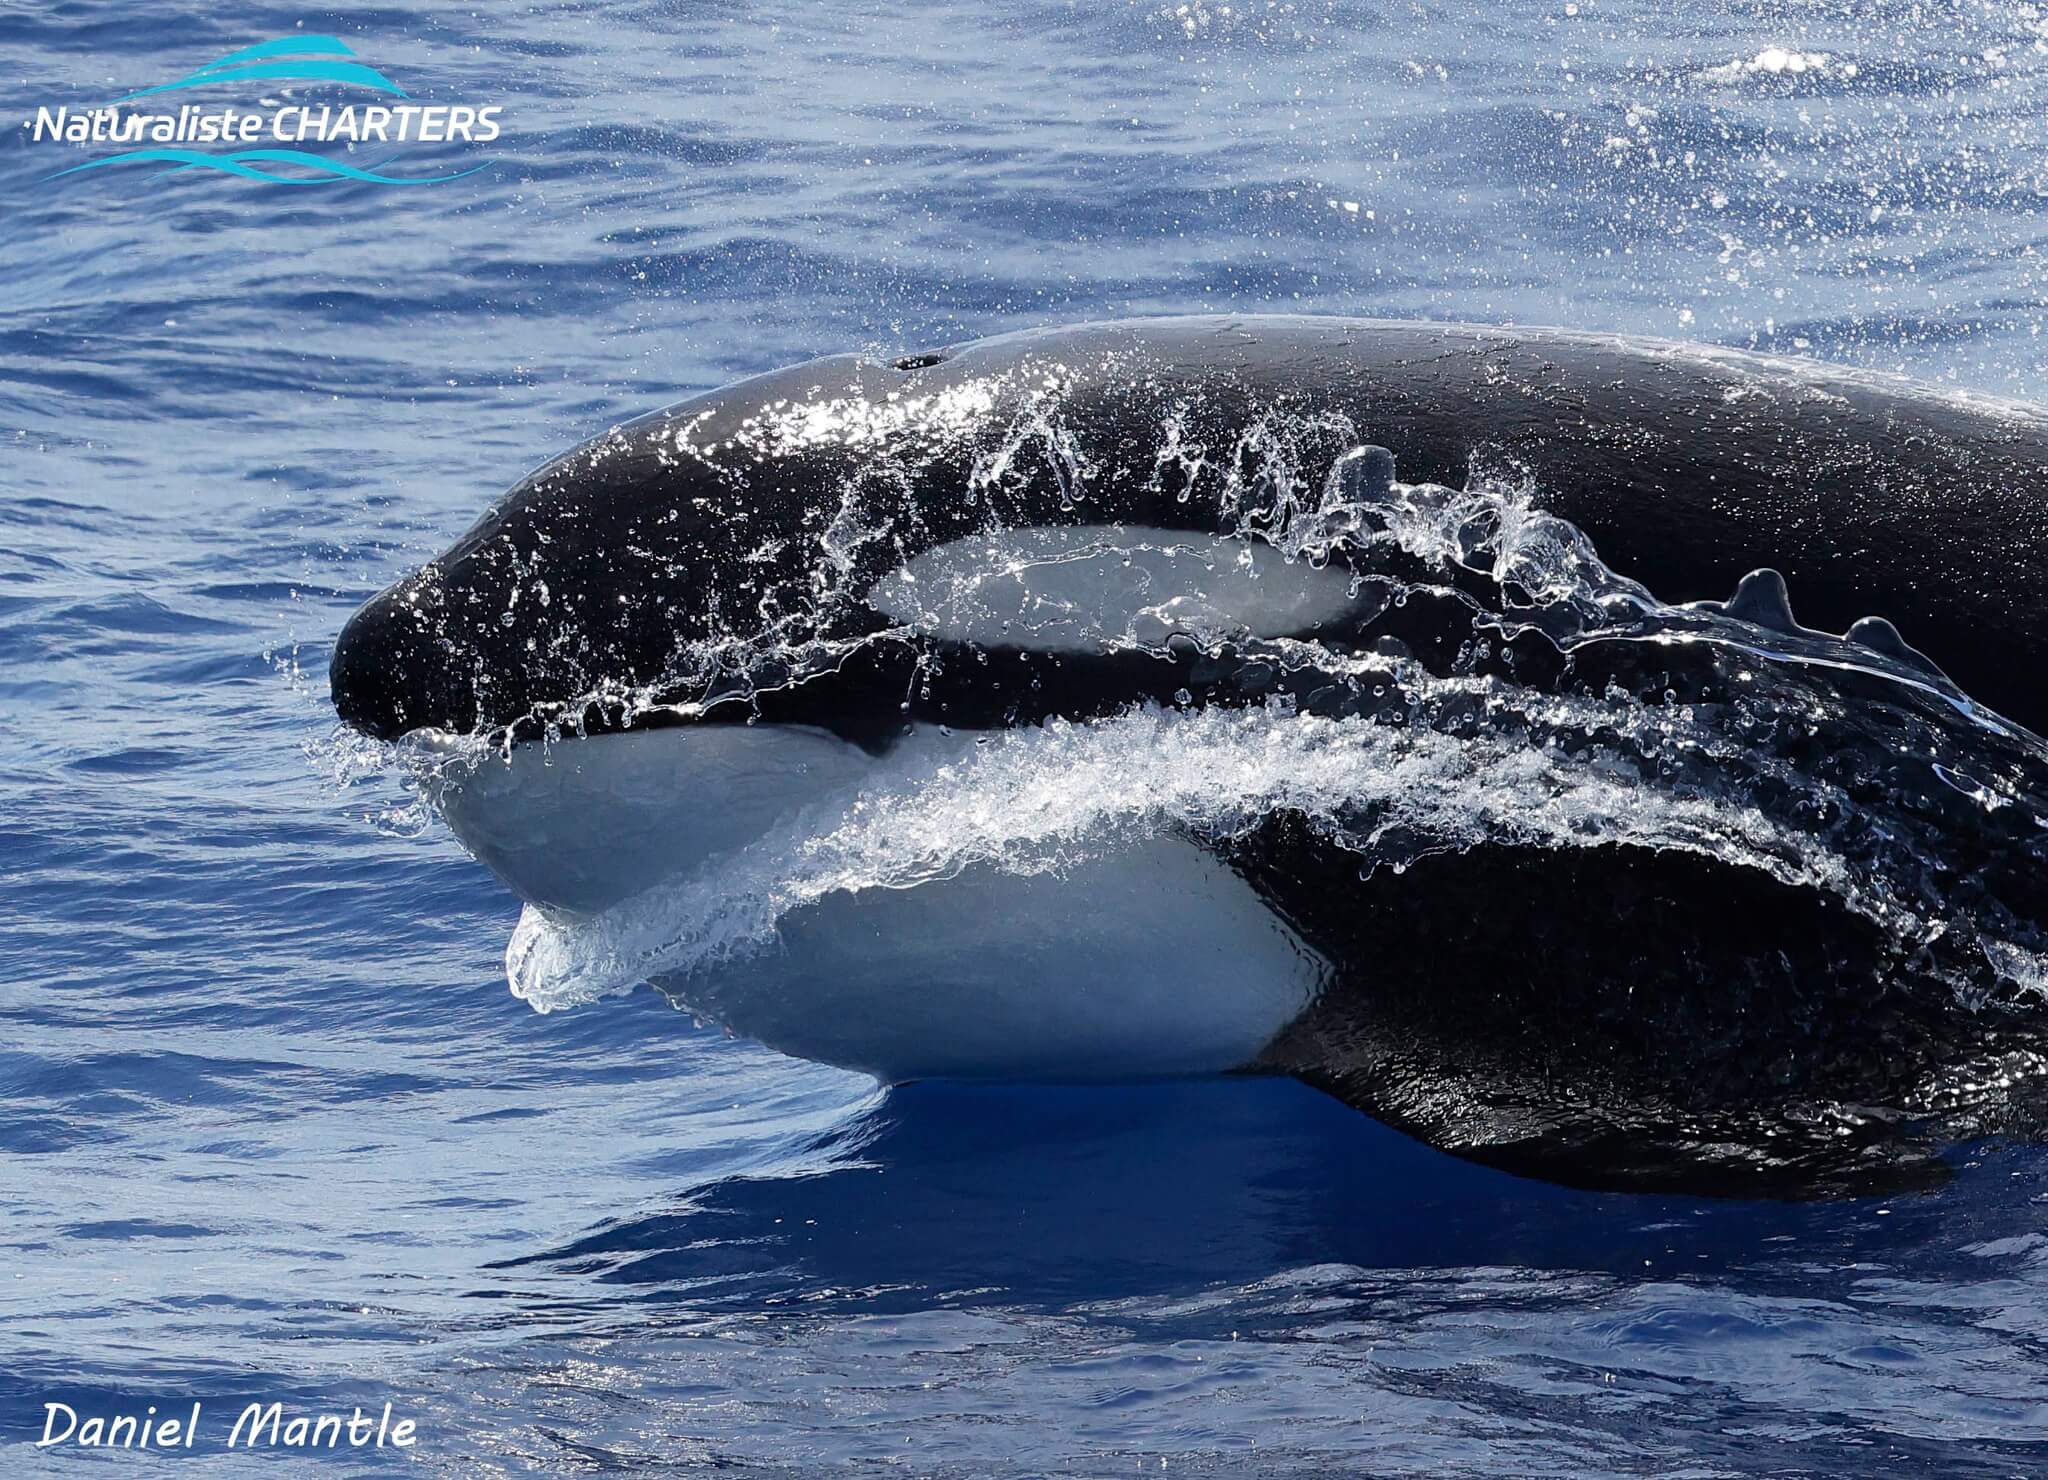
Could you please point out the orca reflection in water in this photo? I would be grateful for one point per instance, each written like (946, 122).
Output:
(1403, 707)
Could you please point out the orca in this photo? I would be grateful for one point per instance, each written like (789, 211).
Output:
(1674, 891)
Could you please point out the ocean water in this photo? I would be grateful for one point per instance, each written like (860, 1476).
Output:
(271, 1125)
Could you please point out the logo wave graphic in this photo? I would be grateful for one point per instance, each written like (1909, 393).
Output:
(243, 162)
(258, 63)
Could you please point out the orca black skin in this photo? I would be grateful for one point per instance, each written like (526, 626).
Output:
(1635, 1019)
(1688, 466)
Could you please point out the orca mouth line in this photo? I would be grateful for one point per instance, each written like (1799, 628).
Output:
(1112, 707)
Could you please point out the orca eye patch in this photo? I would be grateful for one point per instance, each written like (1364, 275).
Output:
(1087, 587)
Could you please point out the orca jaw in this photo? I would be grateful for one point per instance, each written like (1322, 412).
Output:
(578, 827)
(1154, 959)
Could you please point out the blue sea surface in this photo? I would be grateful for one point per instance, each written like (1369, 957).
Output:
(271, 1125)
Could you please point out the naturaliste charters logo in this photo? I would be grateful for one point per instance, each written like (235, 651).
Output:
(265, 142)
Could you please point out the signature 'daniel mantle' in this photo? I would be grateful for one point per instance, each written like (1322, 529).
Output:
(257, 1426)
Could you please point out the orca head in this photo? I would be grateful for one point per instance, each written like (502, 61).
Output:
(785, 596)
(846, 545)
(657, 565)
(580, 585)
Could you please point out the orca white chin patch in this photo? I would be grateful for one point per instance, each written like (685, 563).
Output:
(1152, 961)
(1153, 958)
(1088, 587)
(578, 826)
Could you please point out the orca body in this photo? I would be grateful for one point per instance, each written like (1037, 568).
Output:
(1644, 884)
